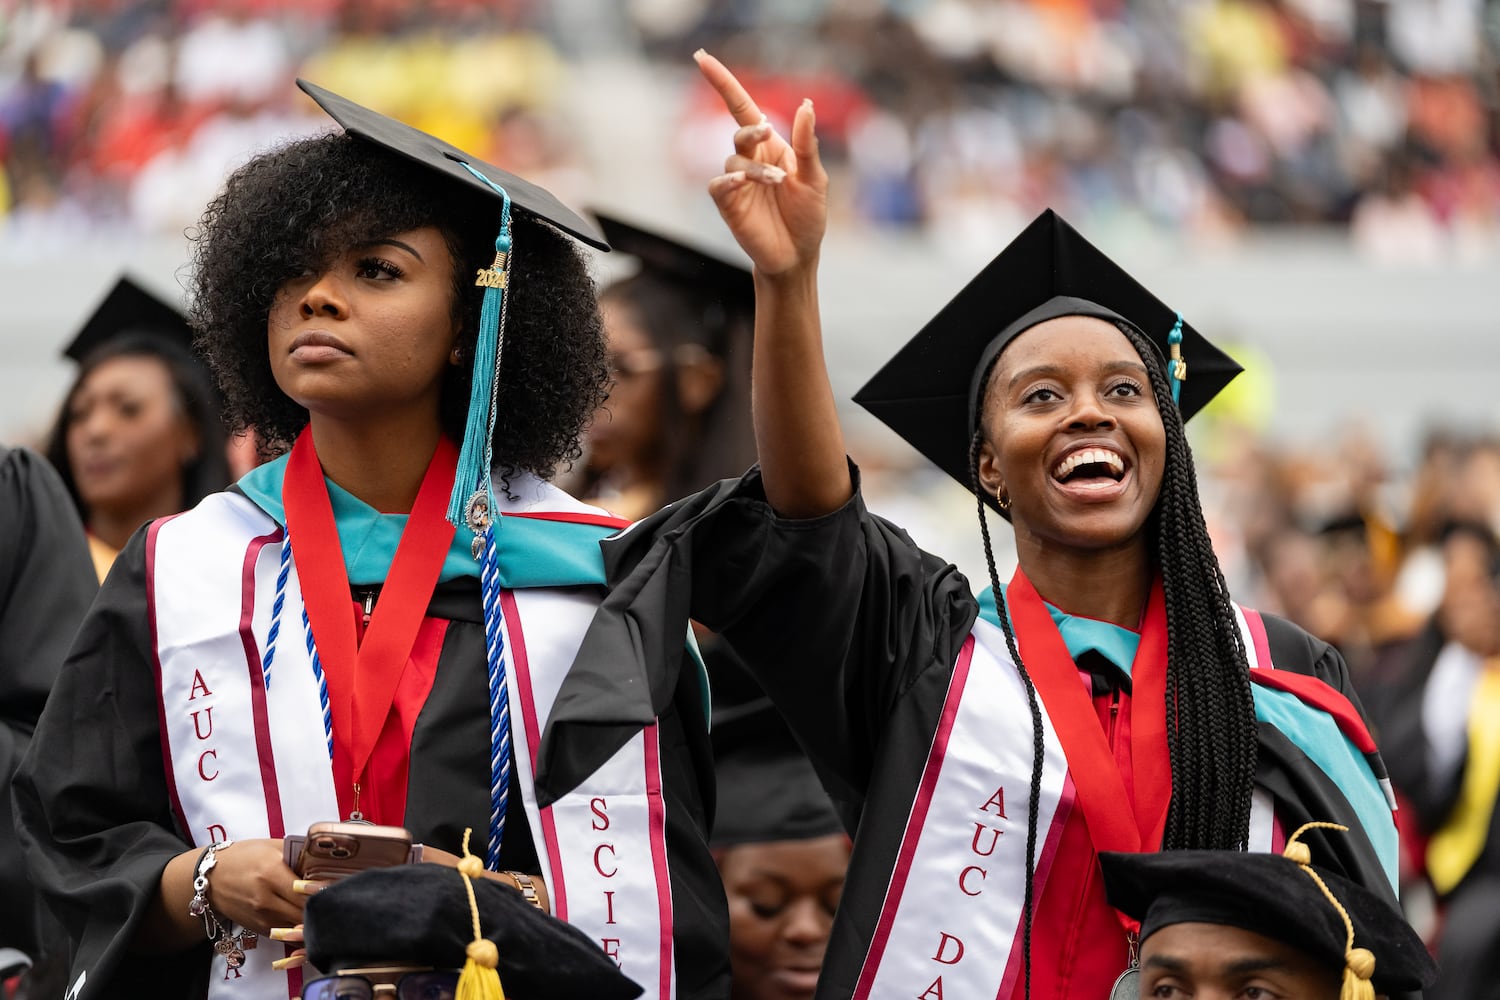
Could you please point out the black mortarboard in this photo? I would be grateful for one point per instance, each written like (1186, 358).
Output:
(767, 788)
(927, 392)
(1276, 897)
(692, 267)
(446, 160)
(420, 914)
(130, 310)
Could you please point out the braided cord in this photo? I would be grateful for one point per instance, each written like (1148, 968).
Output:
(275, 631)
(277, 606)
(317, 669)
(494, 647)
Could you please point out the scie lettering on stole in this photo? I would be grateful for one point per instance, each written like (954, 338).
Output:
(606, 868)
(202, 716)
(971, 877)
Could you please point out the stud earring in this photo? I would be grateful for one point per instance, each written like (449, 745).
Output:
(1002, 499)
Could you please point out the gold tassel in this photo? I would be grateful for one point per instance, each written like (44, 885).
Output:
(1359, 963)
(1359, 966)
(479, 979)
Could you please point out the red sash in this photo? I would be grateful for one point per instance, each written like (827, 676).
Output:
(360, 707)
(1115, 822)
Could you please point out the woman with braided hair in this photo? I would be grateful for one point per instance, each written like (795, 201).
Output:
(985, 750)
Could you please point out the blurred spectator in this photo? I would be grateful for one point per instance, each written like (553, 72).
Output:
(138, 435)
(959, 115)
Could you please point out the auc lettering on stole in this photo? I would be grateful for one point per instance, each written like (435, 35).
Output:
(950, 947)
(606, 868)
(208, 756)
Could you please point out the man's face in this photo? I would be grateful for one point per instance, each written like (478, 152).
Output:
(1194, 961)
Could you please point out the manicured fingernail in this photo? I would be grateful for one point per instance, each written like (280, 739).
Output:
(772, 175)
(698, 55)
(290, 962)
(286, 933)
(807, 103)
(305, 887)
(763, 129)
(737, 177)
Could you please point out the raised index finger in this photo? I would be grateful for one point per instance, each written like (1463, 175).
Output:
(735, 97)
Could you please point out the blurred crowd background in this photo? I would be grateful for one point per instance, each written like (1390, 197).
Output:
(1200, 115)
(1366, 130)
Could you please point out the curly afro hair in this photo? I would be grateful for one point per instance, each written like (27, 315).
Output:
(293, 210)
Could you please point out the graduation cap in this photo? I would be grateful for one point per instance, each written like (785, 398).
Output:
(453, 164)
(767, 788)
(694, 268)
(472, 501)
(421, 915)
(1321, 914)
(129, 310)
(929, 392)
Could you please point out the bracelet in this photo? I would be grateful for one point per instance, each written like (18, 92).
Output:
(231, 946)
(528, 889)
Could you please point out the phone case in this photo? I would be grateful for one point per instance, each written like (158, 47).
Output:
(333, 851)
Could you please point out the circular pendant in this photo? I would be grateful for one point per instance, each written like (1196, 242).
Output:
(1128, 986)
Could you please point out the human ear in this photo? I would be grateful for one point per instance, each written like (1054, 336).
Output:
(991, 480)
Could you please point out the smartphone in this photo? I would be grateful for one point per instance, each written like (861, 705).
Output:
(332, 851)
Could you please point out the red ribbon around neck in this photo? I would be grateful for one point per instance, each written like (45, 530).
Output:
(1115, 822)
(362, 676)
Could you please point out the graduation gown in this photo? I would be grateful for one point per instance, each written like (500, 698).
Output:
(1424, 720)
(131, 766)
(46, 584)
(908, 705)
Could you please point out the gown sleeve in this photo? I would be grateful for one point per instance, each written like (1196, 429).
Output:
(46, 584)
(1356, 796)
(836, 616)
(92, 800)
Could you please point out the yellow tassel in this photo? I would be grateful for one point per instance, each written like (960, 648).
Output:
(478, 980)
(1359, 966)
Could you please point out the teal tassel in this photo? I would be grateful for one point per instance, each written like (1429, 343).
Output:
(1176, 367)
(471, 483)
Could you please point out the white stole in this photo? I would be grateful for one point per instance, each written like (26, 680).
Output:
(952, 912)
(250, 760)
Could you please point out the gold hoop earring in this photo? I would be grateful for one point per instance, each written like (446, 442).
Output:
(1002, 499)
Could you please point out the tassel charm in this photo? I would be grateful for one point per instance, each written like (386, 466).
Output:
(496, 275)
(477, 519)
(1176, 367)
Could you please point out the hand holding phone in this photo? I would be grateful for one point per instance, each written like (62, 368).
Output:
(332, 851)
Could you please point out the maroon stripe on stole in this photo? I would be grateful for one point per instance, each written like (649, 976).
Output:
(915, 822)
(658, 808)
(275, 823)
(161, 707)
(573, 517)
(1038, 885)
(1257, 627)
(556, 889)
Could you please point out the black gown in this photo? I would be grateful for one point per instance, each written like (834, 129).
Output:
(46, 583)
(853, 630)
(98, 827)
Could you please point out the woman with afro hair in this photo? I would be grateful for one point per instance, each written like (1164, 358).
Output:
(374, 625)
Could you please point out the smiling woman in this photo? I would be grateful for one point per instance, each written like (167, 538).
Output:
(1112, 697)
(373, 625)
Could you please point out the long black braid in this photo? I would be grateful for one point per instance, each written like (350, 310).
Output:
(1212, 746)
(1038, 745)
